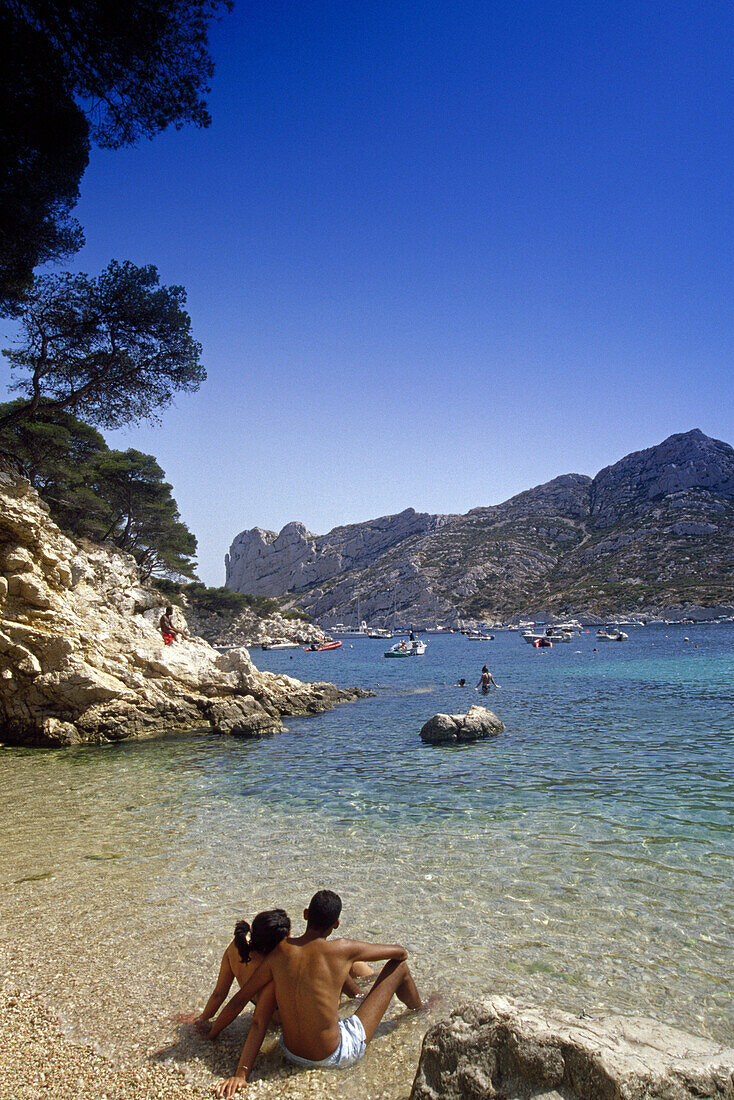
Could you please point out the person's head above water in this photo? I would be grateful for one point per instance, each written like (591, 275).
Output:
(324, 910)
(268, 929)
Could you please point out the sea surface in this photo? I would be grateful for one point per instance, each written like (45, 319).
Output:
(583, 859)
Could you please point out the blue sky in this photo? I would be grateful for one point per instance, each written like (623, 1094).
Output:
(435, 253)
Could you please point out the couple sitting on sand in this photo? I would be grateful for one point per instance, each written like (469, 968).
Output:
(304, 977)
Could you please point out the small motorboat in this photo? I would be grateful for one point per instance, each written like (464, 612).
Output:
(481, 638)
(321, 647)
(612, 634)
(542, 642)
(406, 649)
(551, 634)
(279, 645)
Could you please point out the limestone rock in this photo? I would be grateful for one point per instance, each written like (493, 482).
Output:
(248, 628)
(269, 564)
(501, 1050)
(652, 531)
(82, 658)
(475, 725)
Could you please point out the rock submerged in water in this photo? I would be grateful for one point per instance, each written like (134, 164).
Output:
(501, 1049)
(82, 659)
(476, 724)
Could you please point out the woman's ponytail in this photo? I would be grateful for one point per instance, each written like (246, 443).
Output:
(241, 941)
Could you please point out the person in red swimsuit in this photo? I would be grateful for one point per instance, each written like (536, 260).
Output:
(168, 630)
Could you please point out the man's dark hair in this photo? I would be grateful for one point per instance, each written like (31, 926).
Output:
(323, 910)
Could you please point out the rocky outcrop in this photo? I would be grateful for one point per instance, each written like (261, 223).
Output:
(268, 564)
(82, 658)
(250, 629)
(504, 1050)
(477, 724)
(653, 531)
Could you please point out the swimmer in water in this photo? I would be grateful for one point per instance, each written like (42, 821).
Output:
(485, 680)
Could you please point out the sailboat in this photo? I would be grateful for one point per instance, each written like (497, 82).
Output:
(360, 631)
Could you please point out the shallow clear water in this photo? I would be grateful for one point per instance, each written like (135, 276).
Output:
(584, 858)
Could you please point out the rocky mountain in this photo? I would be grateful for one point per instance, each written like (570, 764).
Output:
(653, 531)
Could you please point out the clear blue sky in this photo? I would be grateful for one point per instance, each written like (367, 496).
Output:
(436, 253)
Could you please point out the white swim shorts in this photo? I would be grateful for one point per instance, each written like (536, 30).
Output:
(352, 1045)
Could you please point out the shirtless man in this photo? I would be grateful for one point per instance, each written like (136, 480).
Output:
(308, 974)
(167, 629)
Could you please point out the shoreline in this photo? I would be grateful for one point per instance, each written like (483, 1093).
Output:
(41, 1060)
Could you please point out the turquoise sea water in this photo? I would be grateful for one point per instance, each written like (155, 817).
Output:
(584, 858)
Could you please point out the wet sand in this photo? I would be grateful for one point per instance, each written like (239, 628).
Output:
(40, 1060)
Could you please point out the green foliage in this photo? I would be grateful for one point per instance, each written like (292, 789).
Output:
(96, 493)
(44, 149)
(77, 71)
(298, 616)
(170, 589)
(222, 601)
(143, 516)
(56, 452)
(112, 349)
(137, 68)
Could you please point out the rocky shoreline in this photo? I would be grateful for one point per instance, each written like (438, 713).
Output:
(82, 659)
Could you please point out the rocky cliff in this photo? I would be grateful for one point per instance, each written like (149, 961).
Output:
(653, 531)
(82, 658)
(267, 564)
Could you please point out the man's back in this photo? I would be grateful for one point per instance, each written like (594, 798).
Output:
(308, 981)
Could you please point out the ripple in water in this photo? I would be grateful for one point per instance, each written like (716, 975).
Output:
(584, 858)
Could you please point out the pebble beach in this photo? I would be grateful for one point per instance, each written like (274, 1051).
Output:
(40, 1062)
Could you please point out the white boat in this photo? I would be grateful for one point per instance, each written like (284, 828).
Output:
(379, 632)
(280, 645)
(406, 649)
(360, 631)
(552, 633)
(612, 634)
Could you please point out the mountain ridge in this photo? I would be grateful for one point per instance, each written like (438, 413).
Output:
(653, 530)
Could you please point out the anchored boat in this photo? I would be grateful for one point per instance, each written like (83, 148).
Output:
(406, 649)
(612, 634)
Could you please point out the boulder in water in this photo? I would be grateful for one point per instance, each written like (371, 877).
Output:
(476, 724)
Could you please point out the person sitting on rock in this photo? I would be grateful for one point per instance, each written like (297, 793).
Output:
(308, 974)
(168, 630)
